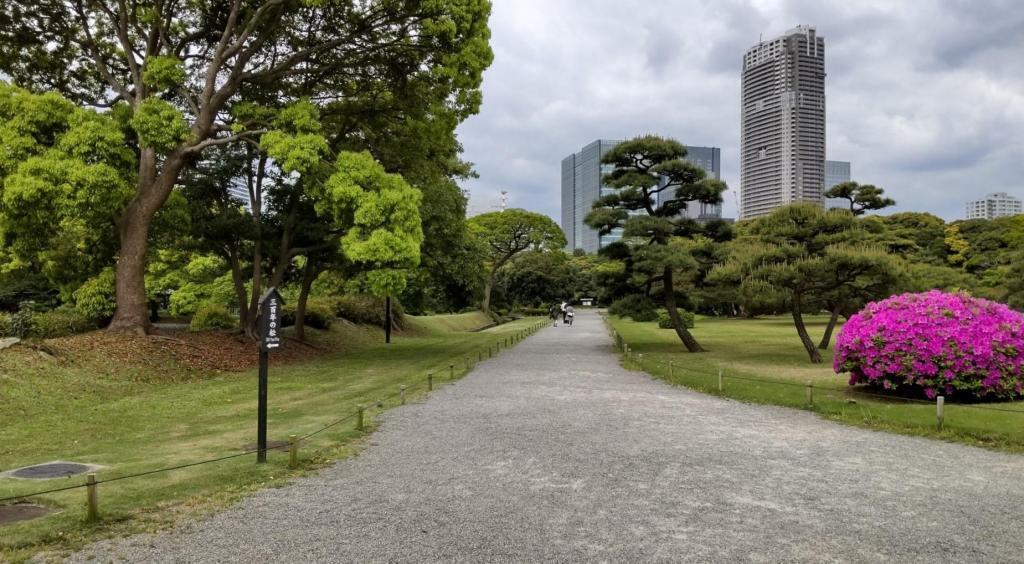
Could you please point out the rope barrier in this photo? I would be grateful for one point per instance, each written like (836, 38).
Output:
(247, 452)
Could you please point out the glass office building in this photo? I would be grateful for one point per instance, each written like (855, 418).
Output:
(582, 186)
(836, 172)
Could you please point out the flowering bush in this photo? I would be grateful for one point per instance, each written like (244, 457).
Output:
(936, 342)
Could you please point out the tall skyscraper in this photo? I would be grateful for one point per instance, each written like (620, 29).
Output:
(836, 172)
(998, 204)
(782, 137)
(582, 186)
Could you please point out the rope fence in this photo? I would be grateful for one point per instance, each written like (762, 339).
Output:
(848, 394)
(358, 415)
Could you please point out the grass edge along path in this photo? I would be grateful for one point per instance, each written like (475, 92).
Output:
(996, 426)
(143, 495)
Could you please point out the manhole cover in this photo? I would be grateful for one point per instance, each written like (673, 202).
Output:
(20, 512)
(51, 470)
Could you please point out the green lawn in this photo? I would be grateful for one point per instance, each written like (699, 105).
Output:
(769, 351)
(136, 419)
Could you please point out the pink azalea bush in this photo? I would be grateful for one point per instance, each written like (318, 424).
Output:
(942, 344)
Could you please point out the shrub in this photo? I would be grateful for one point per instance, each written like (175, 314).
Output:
(5, 325)
(60, 322)
(212, 316)
(363, 308)
(21, 323)
(96, 299)
(637, 306)
(935, 343)
(320, 313)
(665, 322)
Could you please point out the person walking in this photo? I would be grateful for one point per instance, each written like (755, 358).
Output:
(553, 314)
(570, 313)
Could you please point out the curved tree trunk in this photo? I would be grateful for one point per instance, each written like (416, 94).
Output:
(486, 304)
(308, 276)
(826, 339)
(670, 304)
(801, 329)
(132, 313)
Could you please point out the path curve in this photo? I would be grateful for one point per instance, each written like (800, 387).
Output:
(552, 451)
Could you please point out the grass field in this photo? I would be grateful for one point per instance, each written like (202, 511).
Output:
(768, 350)
(136, 418)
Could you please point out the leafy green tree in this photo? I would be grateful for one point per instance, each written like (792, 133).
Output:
(815, 256)
(64, 179)
(507, 233)
(917, 236)
(179, 71)
(862, 197)
(653, 186)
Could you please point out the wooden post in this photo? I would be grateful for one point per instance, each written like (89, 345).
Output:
(479, 356)
(451, 371)
(671, 370)
(940, 403)
(810, 392)
(293, 451)
(359, 420)
(430, 382)
(719, 379)
(640, 360)
(387, 319)
(92, 498)
(401, 393)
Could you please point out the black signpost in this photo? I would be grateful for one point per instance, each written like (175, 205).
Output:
(270, 339)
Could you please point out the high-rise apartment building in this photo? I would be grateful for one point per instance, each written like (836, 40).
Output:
(998, 204)
(836, 172)
(582, 186)
(782, 137)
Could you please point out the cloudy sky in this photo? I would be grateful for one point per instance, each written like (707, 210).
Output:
(925, 98)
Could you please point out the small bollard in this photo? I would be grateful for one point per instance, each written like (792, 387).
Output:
(719, 379)
(401, 393)
(810, 392)
(451, 371)
(359, 418)
(489, 353)
(640, 360)
(671, 369)
(293, 451)
(92, 498)
(479, 356)
(380, 404)
(430, 382)
(940, 403)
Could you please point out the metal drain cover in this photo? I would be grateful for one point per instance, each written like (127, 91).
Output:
(21, 512)
(48, 470)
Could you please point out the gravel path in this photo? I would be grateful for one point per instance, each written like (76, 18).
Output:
(551, 451)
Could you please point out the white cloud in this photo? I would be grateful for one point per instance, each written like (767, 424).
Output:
(925, 98)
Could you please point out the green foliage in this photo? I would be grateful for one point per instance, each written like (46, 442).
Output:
(212, 316)
(5, 325)
(22, 323)
(61, 322)
(66, 174)
(687, 317)
(637, 307)
(95, 299)
(379, 213)
(862, 197)
(367, 309)
(191, 295)
(510, 232)
(163, 73)
(159, 125)
(320, 313)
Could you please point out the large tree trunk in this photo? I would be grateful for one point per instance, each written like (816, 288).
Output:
(486, 304)
(801, 329)
(308, 276)
(670, 304)
(133, 229)
(826, 339)
(239, 285)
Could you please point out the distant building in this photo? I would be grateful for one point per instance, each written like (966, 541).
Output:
(582, 186)
(836, 172)
(240, 194)
(782, 131)
(997, 204)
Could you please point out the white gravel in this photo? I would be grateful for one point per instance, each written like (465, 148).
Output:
(553, 452)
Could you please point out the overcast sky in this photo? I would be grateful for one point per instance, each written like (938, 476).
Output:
(926, 99)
